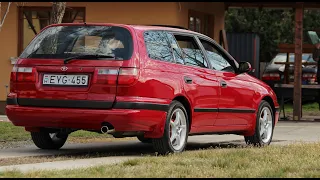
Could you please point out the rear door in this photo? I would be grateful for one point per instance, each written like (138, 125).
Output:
(200, 83)
(86, 81)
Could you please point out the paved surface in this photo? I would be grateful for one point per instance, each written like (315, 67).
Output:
(285, 133)
(3, 118)
(69, 164)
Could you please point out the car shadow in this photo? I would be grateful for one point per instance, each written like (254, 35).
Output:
(104, 149)
(129, 149)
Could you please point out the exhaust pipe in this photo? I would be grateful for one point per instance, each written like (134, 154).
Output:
(105, 129)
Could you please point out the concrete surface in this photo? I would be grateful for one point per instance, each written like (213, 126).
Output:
(69, 164)
(4, 118)
(285, 133)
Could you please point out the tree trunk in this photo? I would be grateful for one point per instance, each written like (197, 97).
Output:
(58, 9)
(57, 13)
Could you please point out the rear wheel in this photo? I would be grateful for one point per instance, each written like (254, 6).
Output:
(46, 140)
(264, 126)
(176, 130)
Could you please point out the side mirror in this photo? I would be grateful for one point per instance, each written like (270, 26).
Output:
(244, 67)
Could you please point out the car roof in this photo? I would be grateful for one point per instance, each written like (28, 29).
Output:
(137, 27)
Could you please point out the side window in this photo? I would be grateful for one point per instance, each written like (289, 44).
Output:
(192, 53)
(177, 52)
(158, 46)
(216, 59)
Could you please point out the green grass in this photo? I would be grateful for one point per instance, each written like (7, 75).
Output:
(312, 107)
(9, 132)
(298, 160)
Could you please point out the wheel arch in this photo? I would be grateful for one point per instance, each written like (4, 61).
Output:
(187, 105)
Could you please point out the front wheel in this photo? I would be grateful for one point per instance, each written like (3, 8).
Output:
(46, 140)
(264, 126)
(176, 130)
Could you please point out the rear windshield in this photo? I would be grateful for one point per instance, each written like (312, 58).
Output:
(60, 42)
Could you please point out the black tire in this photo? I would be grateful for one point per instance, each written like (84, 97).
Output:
(256, 139)
(144, 140)
(43, 140)
(163, 145)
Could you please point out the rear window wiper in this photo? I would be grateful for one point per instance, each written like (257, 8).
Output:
(89, 56)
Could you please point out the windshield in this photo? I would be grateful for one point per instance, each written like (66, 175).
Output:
(283, 58)
(60, 42)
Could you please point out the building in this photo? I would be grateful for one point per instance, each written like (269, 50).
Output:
(25, 20)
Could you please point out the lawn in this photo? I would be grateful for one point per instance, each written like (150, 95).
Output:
(311, 107)
(295, 160)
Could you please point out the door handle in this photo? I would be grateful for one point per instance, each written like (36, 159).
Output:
(187, 80)
(223, 84)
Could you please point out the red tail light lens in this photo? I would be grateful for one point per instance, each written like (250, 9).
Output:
(312, 78)
(271, 77)
(23, 74)
(127, 76)
(122, 76)
(105, 76)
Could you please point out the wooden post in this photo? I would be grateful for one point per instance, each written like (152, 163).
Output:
(298, 39)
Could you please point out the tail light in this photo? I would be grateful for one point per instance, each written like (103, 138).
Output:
(23, 74)
(309, 77)
(122, 76)
(105, 76)
(127, 76)
(271, 76)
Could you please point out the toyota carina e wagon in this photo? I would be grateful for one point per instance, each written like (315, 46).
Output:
(160, 84)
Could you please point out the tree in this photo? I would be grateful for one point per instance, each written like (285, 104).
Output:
(273, 26)
(3, 17)
(58, 9)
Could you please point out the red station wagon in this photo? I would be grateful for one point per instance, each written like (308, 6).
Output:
(160, 84)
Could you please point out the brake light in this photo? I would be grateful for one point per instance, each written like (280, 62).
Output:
(308, 76)
(23, 74)
(124, 76)
(105, 76)
(127, 76)
(271, 76)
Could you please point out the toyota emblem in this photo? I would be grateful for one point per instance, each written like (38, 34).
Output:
(64, 68)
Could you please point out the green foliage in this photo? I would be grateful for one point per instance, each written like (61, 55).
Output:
(274, 26)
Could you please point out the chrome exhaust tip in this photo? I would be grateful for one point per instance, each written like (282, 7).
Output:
(104, 129)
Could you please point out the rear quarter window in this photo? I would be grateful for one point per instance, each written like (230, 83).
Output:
(158, 46)
(67, 41)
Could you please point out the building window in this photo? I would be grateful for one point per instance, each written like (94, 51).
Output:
(33, 19)
(201, 22)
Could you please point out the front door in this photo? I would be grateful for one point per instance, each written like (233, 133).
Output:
(235, 102)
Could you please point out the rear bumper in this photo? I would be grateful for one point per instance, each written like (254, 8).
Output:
(149, 121)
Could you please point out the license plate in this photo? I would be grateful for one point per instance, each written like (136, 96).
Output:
(68, 80)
